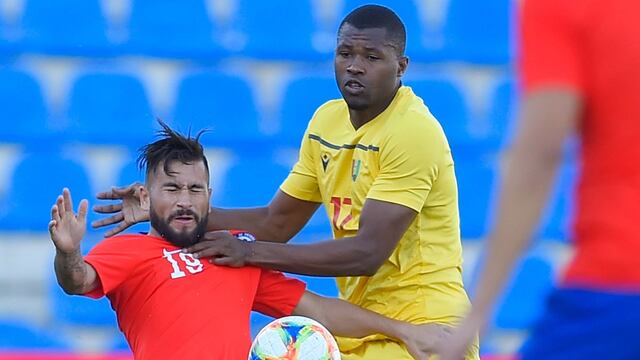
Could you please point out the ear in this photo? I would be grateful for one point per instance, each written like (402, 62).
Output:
(144, 198)
(210, 193)
(403, 63)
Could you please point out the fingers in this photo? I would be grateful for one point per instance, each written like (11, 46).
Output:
(118, 229)
(55, 213)
(203, 249)
(82, 210)
(108, 195)
(60, 205)
(107, 209)
(126, 190)
(52, 226)
(108, 221)
(68, 202)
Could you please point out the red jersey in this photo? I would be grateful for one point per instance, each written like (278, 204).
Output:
(172, 306)
(592, 47)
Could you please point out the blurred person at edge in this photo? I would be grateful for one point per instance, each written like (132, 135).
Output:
(580, 74)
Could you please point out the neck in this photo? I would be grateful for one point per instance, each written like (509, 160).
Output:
(360, 117)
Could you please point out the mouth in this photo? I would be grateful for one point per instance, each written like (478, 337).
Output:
(354, 87)
(184, 219)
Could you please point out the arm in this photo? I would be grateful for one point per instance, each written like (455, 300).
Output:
(348, 320)
(74, 275)
(548, 118)
(277, 222)
(382, 224)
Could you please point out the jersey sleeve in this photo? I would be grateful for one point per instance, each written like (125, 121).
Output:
(302, 182)
(550, 53)
(277, 295)
(409, 165)
(113, 259)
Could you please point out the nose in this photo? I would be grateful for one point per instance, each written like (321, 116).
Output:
(355, 66)
(184, 200)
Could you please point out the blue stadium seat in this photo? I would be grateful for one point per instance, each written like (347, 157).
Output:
(170, 28)
(222, 103)
(524, 300)
(109, 108)
(476, 180)
(277, 29)
(251, 181)
(20, 336)
(36, 182)
(446, 102)
(325, 286)
(68, 27)
(76, 310)
(502, 111)
(408, 13)
(22, 109)
(301, 99)
(477, 38)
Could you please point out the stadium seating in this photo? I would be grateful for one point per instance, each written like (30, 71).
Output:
(109, 108)
(169, 28)
(19, 335)
(74, 310)
(250, 181)
(222, 103)
(502, 110)
(524, 300)
(36, 182)
(472, 37)
(302, 97)
(65, 27)
(22, 109)
(476, 181)
(278, 29)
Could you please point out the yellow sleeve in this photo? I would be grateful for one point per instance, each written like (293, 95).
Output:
(409, 164)
(302, 182)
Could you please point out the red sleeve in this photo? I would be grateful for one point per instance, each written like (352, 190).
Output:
(113, 259)
(551, 53)
(277, 295)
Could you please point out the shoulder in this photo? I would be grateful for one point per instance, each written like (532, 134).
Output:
(327, 111)
(126, 242)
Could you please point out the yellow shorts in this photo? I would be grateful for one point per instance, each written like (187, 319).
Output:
(388, 350)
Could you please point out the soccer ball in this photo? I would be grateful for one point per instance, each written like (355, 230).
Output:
(294, 337)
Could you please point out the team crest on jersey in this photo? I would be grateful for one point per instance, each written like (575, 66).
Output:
(325, 161)
(355, 169)
(244, 236)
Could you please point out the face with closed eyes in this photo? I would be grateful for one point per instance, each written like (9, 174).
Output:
(178, 201)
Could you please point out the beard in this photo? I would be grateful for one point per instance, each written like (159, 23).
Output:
(183, 238)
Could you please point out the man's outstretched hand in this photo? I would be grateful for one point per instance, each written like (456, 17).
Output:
(125, 213)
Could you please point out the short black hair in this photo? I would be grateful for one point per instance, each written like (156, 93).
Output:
(170, 147)
(378, 16)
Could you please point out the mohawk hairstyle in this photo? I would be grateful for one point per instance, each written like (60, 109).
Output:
(378, 16)
(170, 147)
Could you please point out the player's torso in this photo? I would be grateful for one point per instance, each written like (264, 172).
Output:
(176, 304)
(348, 162)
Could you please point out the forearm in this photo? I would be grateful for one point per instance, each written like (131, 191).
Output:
(528, 178)
(344, 319)
(345, 257)
(257, 221)
(74, 275)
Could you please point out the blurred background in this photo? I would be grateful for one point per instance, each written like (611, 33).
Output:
(82, 81)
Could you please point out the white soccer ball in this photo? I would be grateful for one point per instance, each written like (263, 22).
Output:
(294, 337)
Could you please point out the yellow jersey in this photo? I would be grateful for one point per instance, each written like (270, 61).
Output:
(402, 156)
